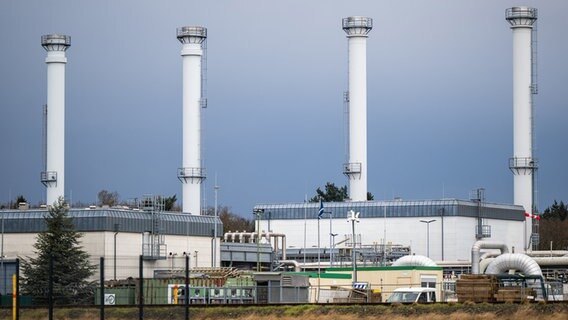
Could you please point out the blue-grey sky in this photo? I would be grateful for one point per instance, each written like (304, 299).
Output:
(439, 98)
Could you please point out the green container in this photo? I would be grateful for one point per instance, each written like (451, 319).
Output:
(6, 301)
(117, 296)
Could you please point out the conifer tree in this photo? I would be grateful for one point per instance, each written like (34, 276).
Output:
(71, 266)
(333, 193)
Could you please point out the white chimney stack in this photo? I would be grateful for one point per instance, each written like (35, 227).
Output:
(54, 175)
(522, 164)
(357, 29)
(191, 174)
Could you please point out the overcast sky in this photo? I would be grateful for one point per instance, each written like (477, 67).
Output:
(439, 98)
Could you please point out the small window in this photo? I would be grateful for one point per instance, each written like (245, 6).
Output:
(427, 281)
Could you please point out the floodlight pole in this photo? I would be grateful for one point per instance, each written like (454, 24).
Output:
(258, 213)
(353, 217)
(427, 222)
(330, 238)
(214, 260)
(116, 228)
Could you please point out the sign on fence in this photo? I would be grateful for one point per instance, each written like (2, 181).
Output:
(110, 299)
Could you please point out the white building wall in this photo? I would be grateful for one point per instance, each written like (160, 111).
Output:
(459, 233)
(128, 251)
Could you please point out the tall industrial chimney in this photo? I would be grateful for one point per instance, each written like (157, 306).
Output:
(53, 176)
(522, 164)
(191, 174)
(357, 29)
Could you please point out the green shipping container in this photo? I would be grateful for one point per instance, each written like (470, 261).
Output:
(116, 296)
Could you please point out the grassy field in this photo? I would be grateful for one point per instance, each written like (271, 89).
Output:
(554, 311)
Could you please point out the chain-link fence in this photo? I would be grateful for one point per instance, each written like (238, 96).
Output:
(177, 281)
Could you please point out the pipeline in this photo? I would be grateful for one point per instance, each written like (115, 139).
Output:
(547, 253)
(515, 261)
(414, 260)
(475, 252)
(294, 263)
(252, 237)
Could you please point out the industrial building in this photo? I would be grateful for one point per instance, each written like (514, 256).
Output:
(440, 229)
(121, 236)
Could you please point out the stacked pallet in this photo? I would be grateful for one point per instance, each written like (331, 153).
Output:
(477, 288)
(515, 294)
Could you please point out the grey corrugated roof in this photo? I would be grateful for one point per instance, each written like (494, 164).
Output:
(104, 219)
(395, 208)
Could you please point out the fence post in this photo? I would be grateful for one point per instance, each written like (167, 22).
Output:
(50, 290)
(102, 293)
(17, 290)
(186, 287)
(141, 287)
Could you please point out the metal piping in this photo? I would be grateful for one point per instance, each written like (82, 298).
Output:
(551, 261)
(475, 252)
(483, 264)
(453, 263)
(488, 255)
(284, 248)
(547, 253)
(294, 263)
(514, 261)
(414, 260)
(253, 236)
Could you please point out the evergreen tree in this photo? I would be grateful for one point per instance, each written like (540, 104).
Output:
(334, 194)
(556, 211)
(19, 199)
(553, 227)
(331, 194)
(169, 203)
(71, 266)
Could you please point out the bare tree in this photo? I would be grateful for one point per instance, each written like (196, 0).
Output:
(232, 221)
(107, 198)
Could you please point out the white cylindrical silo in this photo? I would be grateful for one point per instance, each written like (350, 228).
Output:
(522, 164)
(357, 29)
(53, 176)
(191, 174)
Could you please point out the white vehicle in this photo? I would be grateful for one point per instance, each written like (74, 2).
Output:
(413, 295)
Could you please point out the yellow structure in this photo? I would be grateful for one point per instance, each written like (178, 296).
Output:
(336, 283)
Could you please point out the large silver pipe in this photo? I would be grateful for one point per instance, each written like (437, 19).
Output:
(514, 261)
(294, 263)
(284, 247)
(414, 260)
(444, 263)
(476, 249)
(484, 263)
(488, 255)
(547, 253)
(551, 261)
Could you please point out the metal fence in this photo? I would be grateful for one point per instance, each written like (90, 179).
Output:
(140, 282)
(127, 281)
